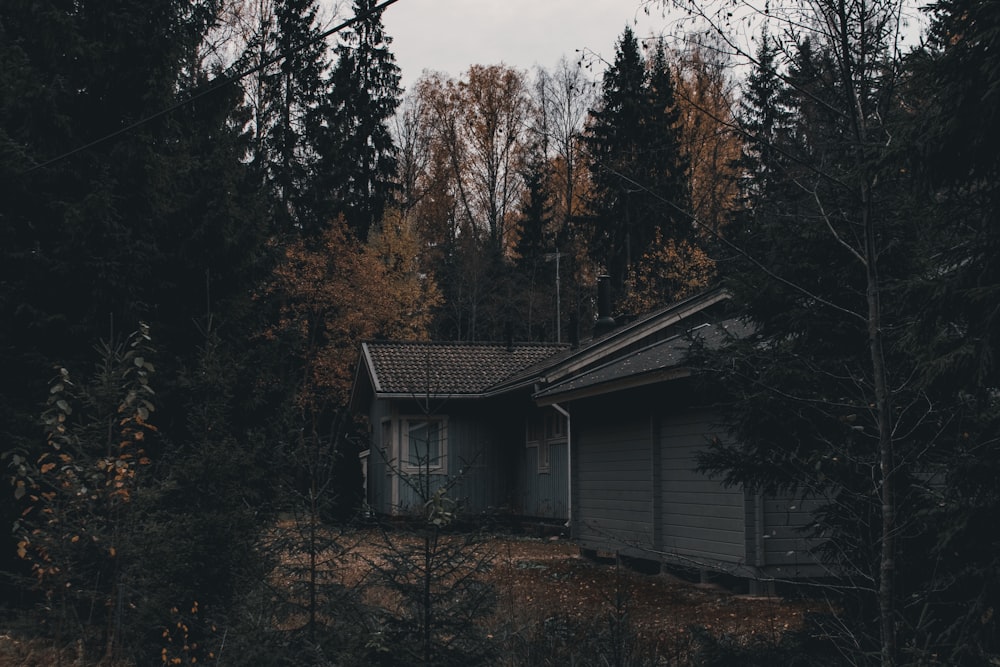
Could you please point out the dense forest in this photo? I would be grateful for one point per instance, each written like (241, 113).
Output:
(209, 204)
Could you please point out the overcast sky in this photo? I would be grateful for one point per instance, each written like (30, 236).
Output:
(450, 35)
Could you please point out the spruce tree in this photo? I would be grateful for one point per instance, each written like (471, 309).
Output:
(669, 204)
(763, 120)
(637, 167)
(289, 112)
(125, 203)
(358, 164)
(612, 138)
(819, 393)
(532, 275)
(951, 147)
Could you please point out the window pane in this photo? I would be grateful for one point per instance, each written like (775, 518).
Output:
(387, 436)
(534, 429)
(555, 426)
(424, 439)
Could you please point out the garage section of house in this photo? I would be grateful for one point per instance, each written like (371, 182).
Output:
(637, 424)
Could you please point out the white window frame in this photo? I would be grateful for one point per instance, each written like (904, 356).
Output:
(548, 428)
(438, 466)
(387, 441)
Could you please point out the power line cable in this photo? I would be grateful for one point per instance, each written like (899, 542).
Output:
(212, 87)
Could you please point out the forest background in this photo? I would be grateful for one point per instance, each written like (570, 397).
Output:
(209, 204)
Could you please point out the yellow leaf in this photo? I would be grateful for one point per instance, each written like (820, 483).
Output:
(111, 551)
(75, 539)
(47, 467)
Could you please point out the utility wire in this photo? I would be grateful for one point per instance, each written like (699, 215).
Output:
(210, 88)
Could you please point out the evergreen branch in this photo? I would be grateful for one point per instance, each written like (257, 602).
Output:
(737, 249)
(214, 86)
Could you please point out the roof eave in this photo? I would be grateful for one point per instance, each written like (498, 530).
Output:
(554, 395)
(633, 332)
(418, 395)
(364, 365)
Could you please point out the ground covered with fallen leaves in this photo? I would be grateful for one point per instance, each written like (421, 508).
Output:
(550, 577)
(550, 604)
(545, 588)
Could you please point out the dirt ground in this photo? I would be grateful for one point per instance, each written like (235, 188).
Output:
(538, 581)
(552, 577)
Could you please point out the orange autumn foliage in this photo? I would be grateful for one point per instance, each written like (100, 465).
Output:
(669, 271)
(706, 100)
(339, 292)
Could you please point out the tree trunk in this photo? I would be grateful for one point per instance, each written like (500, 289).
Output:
(887, 491)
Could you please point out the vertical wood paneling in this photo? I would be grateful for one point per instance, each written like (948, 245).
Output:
(542, 495)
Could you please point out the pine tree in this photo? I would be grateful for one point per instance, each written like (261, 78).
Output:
(536, 209)
(533, 282)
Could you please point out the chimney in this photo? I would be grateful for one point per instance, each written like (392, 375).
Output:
(605, 322)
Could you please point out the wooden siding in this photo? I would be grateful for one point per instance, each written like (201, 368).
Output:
(475, 461)
(542, 494)
(379, 480)
(637, 491)
(613, 509)
(700, 521)
(471, 461)
(787, 548)
(486, 456)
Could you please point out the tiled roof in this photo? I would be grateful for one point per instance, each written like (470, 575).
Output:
(449, 368)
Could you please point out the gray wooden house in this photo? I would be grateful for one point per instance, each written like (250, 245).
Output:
(637, 421)
(603, 436)
(448, 413)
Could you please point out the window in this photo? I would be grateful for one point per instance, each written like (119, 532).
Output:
(541, 430)
(388, 451)
(424, 444)
(533, 431)
(555, 427)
